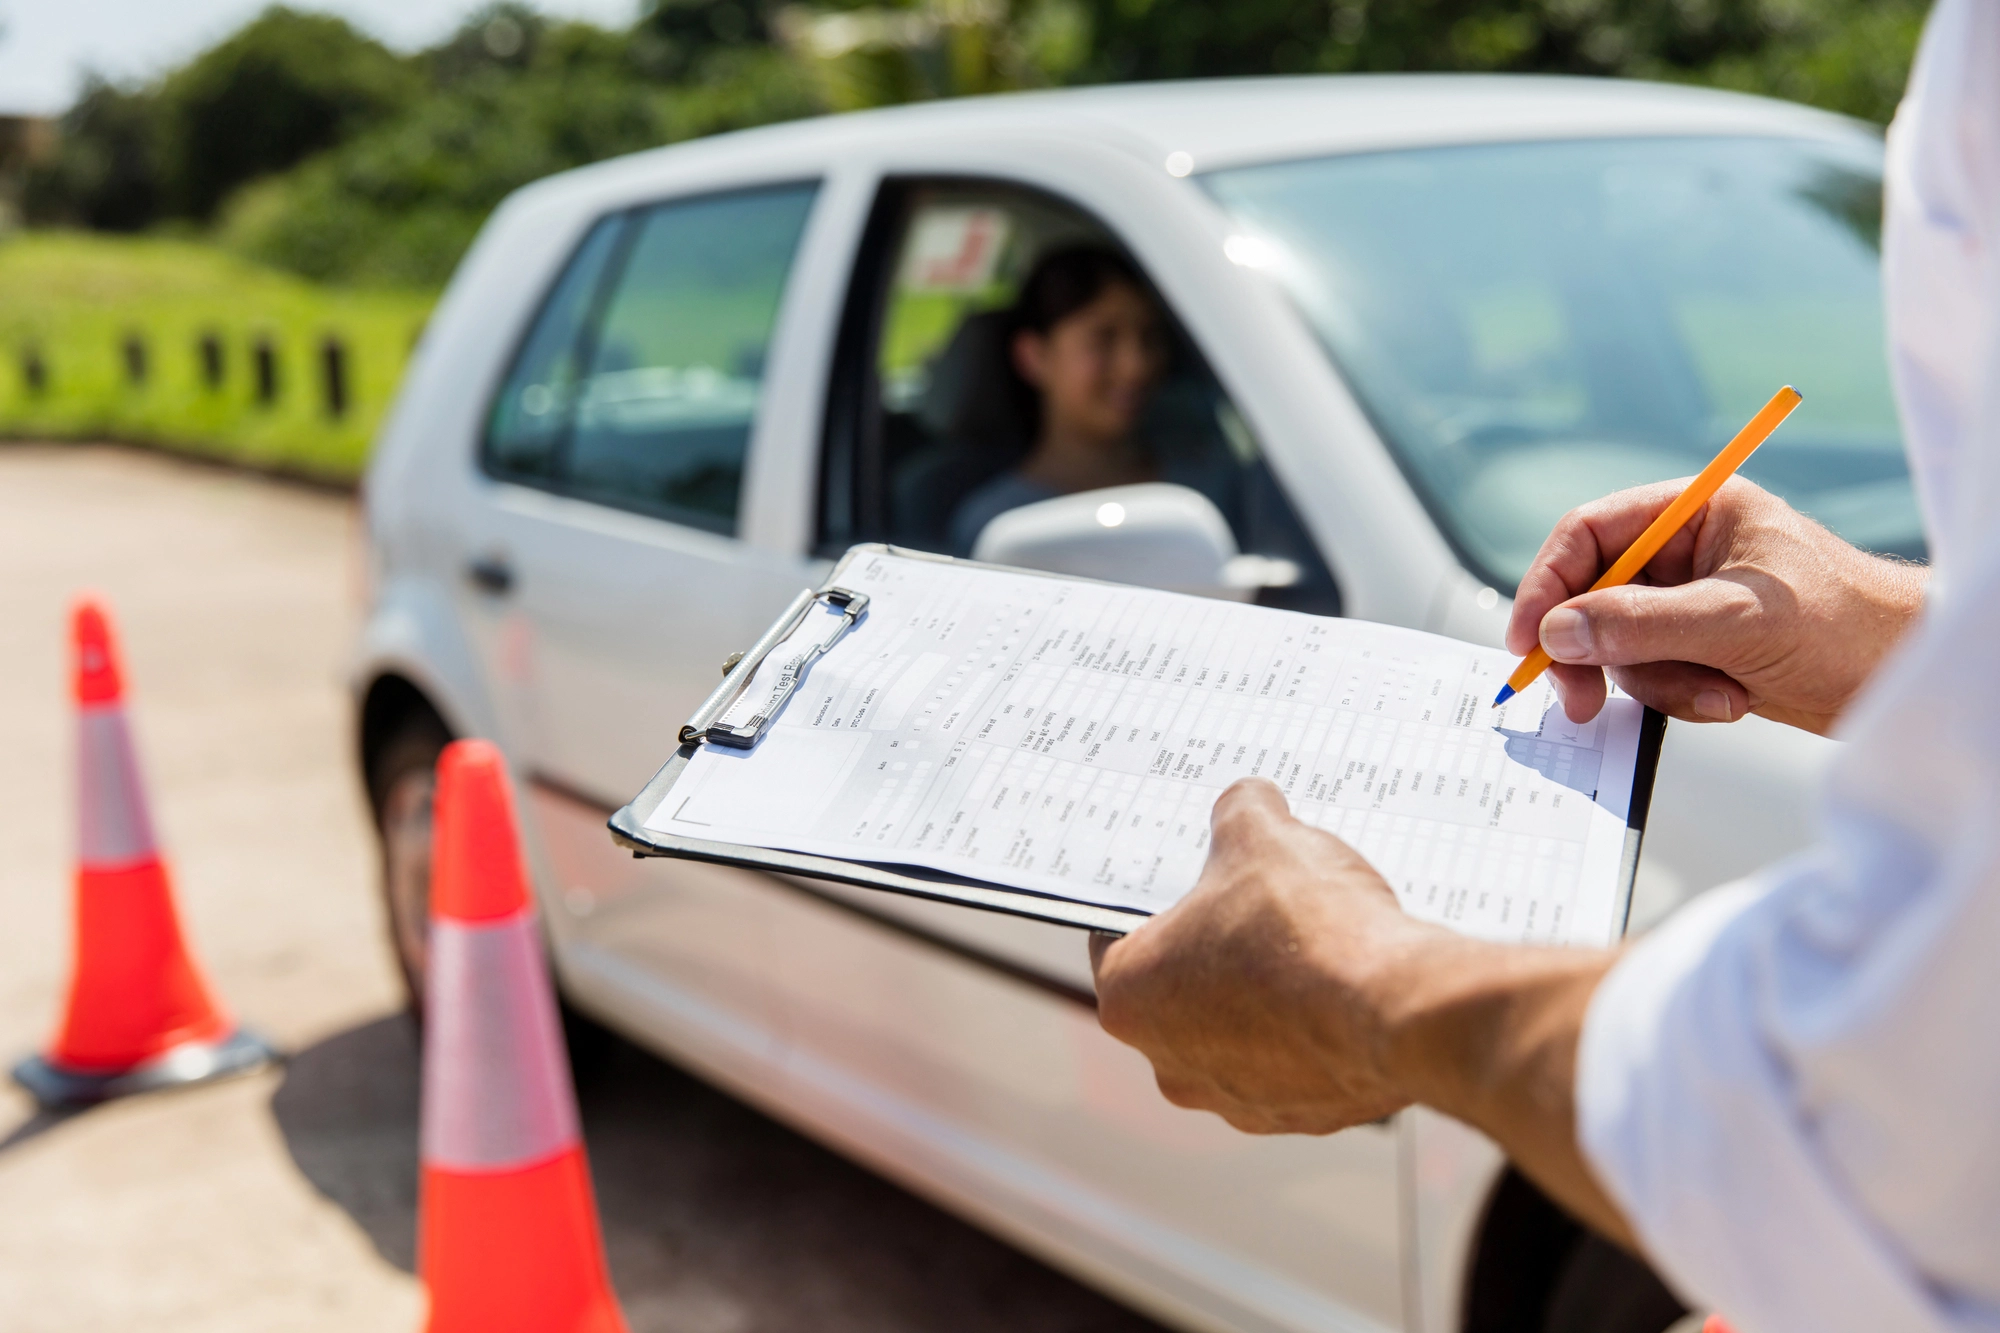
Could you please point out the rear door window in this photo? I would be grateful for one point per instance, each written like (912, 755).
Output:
(531, 417)
(647, 364)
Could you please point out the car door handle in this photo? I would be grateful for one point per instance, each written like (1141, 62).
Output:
(491, 573)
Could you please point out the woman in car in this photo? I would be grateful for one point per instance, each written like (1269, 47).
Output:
(1087, 347)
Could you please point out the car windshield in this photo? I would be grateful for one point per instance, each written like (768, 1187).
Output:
(1534, 325)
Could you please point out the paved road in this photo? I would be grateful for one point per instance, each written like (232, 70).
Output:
(285, 1203)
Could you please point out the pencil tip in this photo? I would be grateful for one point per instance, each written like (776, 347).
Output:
(1506, 693)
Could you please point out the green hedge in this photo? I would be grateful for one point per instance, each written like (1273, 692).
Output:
(70, 303)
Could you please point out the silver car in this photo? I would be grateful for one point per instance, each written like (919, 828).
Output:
(1413, 321)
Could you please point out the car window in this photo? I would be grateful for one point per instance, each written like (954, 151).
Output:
(1534, 325)
(531, 415)
(928, 423)
(639, 385)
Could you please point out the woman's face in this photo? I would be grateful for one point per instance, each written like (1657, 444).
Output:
(1096, 368)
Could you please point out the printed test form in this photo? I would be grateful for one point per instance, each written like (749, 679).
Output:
(1070, 739)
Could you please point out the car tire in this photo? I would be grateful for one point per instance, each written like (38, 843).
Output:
(1603, 1289)
(402, 780)
(402, 777)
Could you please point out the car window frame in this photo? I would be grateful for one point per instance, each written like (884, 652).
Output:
(853, 419)
(629, 220)
(852, 423)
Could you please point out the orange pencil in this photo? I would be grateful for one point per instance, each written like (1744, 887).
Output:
(1671, 520)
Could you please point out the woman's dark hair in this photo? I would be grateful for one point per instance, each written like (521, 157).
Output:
(983, 415)
(1061, 283)
(1065, 281)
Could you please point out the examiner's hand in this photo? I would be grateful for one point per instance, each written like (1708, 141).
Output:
(1289, 993)
(1752, 607)
(1255, 996)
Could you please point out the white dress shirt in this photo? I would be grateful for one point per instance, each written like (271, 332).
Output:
(1792, 1088)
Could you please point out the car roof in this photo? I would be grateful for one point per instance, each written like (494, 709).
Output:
(1223, 122)
(1231, 122)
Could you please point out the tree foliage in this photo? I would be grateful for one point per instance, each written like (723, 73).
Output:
(309, 145)
(286, 86)
(1847, 55)
(106, 173)
(514, 99)
(875, 56)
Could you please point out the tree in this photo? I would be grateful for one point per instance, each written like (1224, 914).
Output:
(675, 39)
(1847, 55)
(319, 150)
(881, 54)
(106, 171)
(400, 202)
(500, 38)
(281, 89)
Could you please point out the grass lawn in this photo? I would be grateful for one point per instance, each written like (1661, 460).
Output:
(181, 345)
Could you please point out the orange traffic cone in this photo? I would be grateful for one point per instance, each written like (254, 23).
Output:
(140, 1015)
(508, 1239)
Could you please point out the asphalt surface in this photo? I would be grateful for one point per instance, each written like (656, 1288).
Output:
(286, 1202)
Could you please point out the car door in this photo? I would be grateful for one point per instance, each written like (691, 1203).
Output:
(606, 564)
(985, 1023)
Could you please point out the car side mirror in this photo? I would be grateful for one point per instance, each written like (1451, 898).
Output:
(1155, 534)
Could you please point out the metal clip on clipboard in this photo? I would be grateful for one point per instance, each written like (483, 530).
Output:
(707, 723)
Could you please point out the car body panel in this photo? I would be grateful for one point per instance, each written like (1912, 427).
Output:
(1027, 1073)
(413, 633)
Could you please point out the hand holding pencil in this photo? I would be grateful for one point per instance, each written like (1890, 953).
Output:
(1671, 520)
(1699, 492)
(1751, 606)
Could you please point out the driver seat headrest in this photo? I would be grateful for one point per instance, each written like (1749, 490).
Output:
(972, 397)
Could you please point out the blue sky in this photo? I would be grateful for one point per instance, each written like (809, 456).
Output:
(46, 45)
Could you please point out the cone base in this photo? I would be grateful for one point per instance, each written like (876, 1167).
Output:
(56, 1086)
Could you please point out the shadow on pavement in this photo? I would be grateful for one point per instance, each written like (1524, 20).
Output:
(348, 1111)
(39, 1123)
(716, 1218)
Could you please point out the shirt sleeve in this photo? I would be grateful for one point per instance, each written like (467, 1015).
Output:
(1694, 1126)
(1792, 1089)
(1941, 235)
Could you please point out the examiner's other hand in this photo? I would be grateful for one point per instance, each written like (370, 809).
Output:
(1752, 607)
(1289, 993)
(1255, 996)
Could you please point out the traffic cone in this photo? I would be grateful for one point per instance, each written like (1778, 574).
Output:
(507, 1237)
(140, 1015)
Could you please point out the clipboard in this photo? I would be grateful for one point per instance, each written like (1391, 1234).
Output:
(629, 825)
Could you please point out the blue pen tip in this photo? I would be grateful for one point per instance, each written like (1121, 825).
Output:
(1506, 693)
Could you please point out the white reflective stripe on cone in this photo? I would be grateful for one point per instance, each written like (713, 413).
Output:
(113, 828)
(496, 1078)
